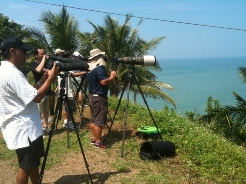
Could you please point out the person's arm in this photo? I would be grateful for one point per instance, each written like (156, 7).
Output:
(108, 80)
(43, 85)
(40, 67)
(56, 90)
(77, 74)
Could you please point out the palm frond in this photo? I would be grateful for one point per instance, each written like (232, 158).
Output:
(242, 73)
(38, 39)
(234, 114)
(239, 99)
(164, 85)
(153, 93)
(62, 29)
(152, 44)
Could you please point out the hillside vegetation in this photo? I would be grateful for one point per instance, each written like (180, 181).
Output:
(201, 155)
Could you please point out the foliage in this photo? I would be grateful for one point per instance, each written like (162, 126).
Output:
(228, 121)
(38, 39)
(242, 73)
(202, 156)
(62, 31)
(190, 115)
(10, 28)
(208, 156)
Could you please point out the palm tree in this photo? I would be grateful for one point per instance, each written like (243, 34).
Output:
(231, 120)
(231, 114)
(242, 73)
(38, 39)
(62, 30)
(123, 40)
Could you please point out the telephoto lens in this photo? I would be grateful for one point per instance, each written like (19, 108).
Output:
(142, 60)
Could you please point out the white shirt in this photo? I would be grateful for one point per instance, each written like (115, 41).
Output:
(19, 116)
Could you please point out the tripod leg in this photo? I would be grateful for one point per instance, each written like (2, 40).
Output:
(68, 124)
(59, 110)
(80, 87)
(147, 106)
(126, 112)
(118, 105)
(77, 134)
(58, 105)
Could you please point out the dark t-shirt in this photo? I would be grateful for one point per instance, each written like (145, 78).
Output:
(37, 76)
(94, 77)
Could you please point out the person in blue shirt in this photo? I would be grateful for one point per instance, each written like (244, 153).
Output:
(98, 89)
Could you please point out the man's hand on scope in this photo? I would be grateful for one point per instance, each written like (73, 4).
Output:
(113, 74)
(53, 72)
(108, 80)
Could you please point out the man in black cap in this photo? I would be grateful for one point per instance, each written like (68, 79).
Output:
(20, 119)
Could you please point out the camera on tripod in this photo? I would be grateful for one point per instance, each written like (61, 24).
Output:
(139, 60)
(66, 64)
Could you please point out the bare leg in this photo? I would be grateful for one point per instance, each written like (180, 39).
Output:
(80, 99)
(98, 133)
(22, 176)
(45, 119)
(66, 116)
(34, 175)
(93, 136)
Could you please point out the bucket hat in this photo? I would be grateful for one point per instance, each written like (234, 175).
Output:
(95, 52)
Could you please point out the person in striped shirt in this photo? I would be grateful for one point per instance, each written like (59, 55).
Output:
(19, 114)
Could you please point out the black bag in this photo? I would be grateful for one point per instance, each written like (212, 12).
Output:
(157, 150)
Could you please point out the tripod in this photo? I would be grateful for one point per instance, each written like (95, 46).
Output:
(79, 87)
(59, 109)
(130, 75)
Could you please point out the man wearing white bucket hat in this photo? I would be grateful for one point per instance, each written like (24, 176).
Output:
(98, 89)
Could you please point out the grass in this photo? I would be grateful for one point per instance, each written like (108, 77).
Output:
(202, 156)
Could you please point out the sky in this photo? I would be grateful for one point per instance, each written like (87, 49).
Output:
(181, 40)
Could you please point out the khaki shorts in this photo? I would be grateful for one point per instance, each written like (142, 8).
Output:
(44, 105)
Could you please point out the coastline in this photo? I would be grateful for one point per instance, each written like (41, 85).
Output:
(196, 79)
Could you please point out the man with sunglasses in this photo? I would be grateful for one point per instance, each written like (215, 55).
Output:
(19, 115)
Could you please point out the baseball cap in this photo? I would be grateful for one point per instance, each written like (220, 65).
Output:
(14, 42)
(77, 54)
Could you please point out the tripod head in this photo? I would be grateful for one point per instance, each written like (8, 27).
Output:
(65, 84)
(63, 76)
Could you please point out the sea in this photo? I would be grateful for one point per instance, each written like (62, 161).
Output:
(196, 79)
